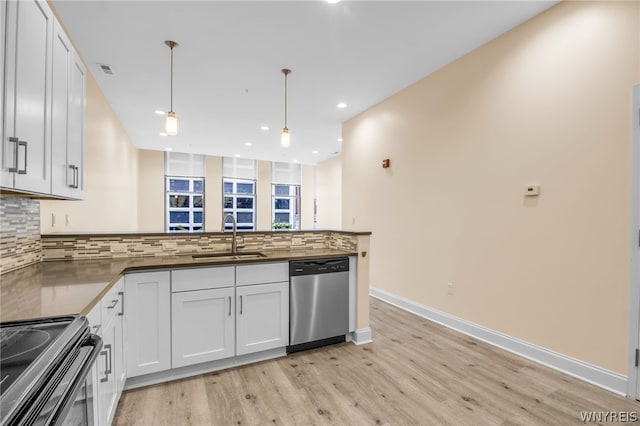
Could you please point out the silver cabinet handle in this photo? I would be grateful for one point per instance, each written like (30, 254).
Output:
(121, 294)
(73, 178)
(23, 143)
(74, 169)
(106, 374)
(108, 347)
(240, 305)
(77, 176)
(115, 302)
(229, 305)
(14, 169)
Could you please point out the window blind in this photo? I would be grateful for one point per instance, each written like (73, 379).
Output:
(183, 164)
(238, 168)
(285, 173)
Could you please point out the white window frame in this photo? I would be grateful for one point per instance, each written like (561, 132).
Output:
(294, 206)
(234, 195)
(191, 210)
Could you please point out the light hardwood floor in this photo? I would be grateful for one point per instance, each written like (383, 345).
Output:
(415, 372)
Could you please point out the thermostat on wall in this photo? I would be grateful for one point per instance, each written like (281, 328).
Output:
(532, 190)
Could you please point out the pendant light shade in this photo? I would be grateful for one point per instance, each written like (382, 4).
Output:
(285, 137)
(171, 120)
(171, 124)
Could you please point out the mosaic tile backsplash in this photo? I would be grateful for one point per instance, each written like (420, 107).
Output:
(67, 247)
(20, 242)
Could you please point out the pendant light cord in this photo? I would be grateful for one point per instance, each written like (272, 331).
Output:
(285, 100)
(171, 107)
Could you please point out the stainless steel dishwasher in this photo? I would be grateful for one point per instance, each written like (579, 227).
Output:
(319, 302)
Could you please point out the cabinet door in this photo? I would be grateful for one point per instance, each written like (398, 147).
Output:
(4, 174)
(77, 107)
(119, 362)
(107, 395)
(202, 326)
(147, 323)
(27, 140)
(97, 371)
(262, 319)
(61, 176)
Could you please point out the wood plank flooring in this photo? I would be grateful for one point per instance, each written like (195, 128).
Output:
(415, 372)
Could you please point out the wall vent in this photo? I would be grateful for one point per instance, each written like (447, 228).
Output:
(107, 69)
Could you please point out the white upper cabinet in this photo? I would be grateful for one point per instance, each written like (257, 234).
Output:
(27, 141)
(44, 93)
(67, 118)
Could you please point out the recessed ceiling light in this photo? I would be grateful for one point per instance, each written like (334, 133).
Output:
(163, 134)
(341, 105)
(159, 112)
(339, 139)
(315, 151)
(237, 155)
(264, 127)
(248, 144)
(168, 149)
(333, 1)
(295, 161)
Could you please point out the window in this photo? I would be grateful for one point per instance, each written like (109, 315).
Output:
(285, 195)
(185, 204)
(286, 206)
(239, 199)
(239, 192)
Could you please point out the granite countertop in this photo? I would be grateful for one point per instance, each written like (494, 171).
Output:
(72, 287)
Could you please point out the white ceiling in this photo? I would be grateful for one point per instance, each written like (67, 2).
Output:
(227, 79)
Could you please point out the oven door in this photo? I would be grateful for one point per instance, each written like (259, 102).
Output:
(70, 400)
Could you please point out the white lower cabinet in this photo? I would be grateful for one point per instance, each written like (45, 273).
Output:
(202, 326)
(105, 320)
(148, 322)
(262, 320)
(107, 392)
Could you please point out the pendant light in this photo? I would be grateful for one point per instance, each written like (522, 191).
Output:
(171, 121)
(285, 138)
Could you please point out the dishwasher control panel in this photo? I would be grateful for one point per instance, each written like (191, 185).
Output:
(318, 266)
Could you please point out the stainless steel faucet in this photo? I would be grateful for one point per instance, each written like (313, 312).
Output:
(234, 246)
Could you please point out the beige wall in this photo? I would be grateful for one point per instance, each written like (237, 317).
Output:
(307, 195)
(546, 103)
(263, 195)
(111, 177)
(329, 193)
(213, 194)
(151, 191)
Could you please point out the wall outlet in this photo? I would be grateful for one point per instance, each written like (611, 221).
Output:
(169, 245)
(118, 248)
(450, 289)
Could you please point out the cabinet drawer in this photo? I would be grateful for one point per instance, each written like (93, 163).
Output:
(202, 278)
(111, 303)
(95, 319)
(262, 273)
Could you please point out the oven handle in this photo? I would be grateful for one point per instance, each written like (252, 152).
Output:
(69, 398)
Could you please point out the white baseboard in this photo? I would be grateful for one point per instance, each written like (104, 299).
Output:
(362, 336)
(595, 375)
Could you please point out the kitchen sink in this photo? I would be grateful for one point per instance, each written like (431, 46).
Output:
(228, 256)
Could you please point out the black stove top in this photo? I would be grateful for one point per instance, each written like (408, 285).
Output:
(20, 345)
(30, 355)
